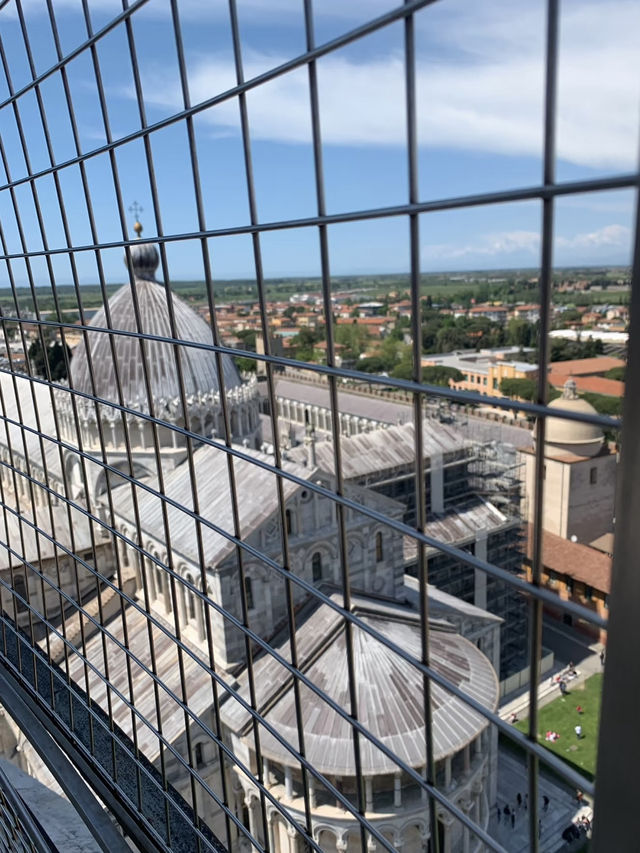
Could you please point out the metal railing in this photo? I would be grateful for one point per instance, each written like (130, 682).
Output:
(107, 624)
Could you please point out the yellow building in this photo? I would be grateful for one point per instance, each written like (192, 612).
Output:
(485, 369)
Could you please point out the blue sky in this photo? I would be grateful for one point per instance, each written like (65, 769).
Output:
(480, 71)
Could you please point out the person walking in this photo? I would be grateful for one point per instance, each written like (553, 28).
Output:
(519, 800)
(499, 815)
(526, 801)
(513, 820)
(507, 813)
(602, 658)
(545, 803)
(578, 731)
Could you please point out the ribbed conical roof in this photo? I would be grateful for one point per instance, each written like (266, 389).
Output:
(199, 368)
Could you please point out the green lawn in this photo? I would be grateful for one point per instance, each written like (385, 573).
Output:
(561, 716)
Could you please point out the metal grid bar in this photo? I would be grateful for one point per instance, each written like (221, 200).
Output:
(178, 585)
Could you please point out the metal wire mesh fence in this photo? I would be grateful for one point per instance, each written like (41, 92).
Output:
(214, 625)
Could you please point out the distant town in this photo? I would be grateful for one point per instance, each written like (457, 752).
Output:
(492, 314)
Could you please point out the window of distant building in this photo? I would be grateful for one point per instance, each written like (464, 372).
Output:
(588, 592)
(199, 756)
(484, 380)
(569, 584)
(495, 384)
(316, 567)
(379, 550)
(248, 588)
(289, 521)
(593, 476)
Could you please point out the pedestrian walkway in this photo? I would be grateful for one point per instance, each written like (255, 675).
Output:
(561, 811)
(548, 688)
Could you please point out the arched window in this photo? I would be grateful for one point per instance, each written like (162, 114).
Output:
(191, 599)
(379, 550)
(248, 588)
(316, 567)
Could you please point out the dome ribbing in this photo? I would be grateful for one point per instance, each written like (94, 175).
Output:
(199, 369)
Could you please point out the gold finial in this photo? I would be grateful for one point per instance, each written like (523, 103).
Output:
(137, 209)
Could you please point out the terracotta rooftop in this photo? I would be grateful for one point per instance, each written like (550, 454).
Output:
(580, 562)
(593, 384)
(586, 366)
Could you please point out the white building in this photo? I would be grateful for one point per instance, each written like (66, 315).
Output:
(187, 574)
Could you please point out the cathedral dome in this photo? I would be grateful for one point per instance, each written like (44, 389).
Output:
(576, 437)
(199, 368)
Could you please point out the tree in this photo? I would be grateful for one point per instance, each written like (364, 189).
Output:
(440, 375)
(248, 338)
(246, 365)
(603, 404)
(354, 339)
(523, 389)
(53, 354)
(304, 343)
(520, 333)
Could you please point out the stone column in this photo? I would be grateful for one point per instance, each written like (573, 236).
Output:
(368, 787)
(397, 792)
(183, 605)
(465, 840)
(293, 839)
(288, 783)
(200, 616)
(270, 829)
(166, 592)
(477, 746)
(250, 802)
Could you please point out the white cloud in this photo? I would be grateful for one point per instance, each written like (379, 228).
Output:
(611, 236)
(482, 90)
(487, 245)
(526, 244)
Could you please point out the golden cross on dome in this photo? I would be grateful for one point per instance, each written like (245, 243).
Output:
(137, 209)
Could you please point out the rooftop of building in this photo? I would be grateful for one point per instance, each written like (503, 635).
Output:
(115, 364)
(459, 525)
(479, 361)
(382, 451)
(580, 562)
(586, 366)
(389, 691)
(357, 405)
(589, 384)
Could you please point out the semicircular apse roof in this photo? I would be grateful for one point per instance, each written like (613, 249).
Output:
(389, 691)
(199, 368)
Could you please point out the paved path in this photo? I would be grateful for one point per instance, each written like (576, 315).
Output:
(562, 809)
(548, 690)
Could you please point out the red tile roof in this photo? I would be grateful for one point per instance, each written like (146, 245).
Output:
(586, 366)
(594, 384)
(580, 562)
